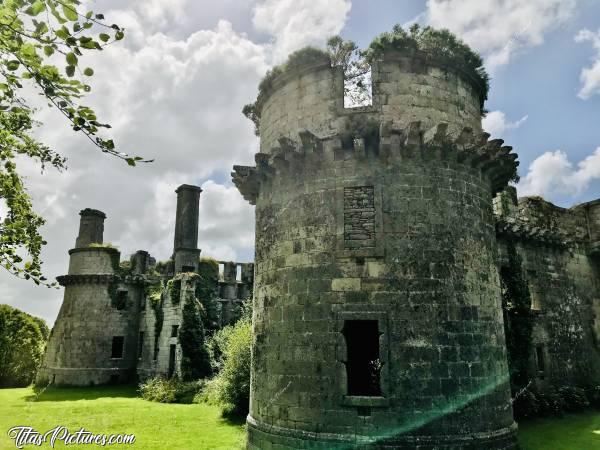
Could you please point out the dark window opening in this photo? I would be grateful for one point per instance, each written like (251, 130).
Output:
(363, 366)
(117, 347)
(172, 350)
(174, 330)
(363, 411)
(297, 246)
(121, 300)
(187, 269)
(539, 358)
(155, 357)
(140, 344)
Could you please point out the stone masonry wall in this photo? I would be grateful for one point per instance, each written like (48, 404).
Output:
(80, 345)
(431, 283)
(404, 90)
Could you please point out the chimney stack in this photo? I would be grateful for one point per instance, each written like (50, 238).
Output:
(185, 248)
(91, 228)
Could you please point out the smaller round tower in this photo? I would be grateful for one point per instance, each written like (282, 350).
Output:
(94, 338)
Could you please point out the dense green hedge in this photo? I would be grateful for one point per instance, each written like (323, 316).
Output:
(22, 344)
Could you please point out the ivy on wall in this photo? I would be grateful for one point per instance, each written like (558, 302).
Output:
(518, 324)
(195, 361)
(207, 291)
(154, 294)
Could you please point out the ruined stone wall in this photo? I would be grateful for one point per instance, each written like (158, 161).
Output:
(562, 272)
(392, 230)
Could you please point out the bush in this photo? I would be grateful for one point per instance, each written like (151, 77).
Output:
(550, 403)
(525, 405)
(164, 390)
(593, 396)
(574, 398)
(22, 343)
(231, 387)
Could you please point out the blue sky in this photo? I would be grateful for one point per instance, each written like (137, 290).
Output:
(173, 90)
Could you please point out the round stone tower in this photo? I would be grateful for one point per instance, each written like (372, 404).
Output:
(94, 338)
(377, 303)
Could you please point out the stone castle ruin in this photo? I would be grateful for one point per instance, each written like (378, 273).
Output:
(387, 242)
(383, 238)
(119, 322)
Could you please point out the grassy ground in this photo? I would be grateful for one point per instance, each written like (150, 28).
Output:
(158, 426)
(572, 432)
(109, 410)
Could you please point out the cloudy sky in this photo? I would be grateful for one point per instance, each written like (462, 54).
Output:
(174, 88)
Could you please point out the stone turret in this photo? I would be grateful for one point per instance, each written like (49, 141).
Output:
(185, 248)
(377, 303)
(94, 338)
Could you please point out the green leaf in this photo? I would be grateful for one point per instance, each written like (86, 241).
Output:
(48, 50)
(71, 59)
(13, 65)
(37, 7)
(88, 71)
(119, 35)
(130, 161)
(70, 70)
(100, 16)
(104, 37)
(70, 13)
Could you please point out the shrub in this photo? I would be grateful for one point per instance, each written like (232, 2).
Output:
(525, 405)
(574, 398)
(593, 396)
(164, 390)
(550, 403)
(231, 387)
(22, 343)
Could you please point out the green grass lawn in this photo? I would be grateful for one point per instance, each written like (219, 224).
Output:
(572, 432)
(111, 410)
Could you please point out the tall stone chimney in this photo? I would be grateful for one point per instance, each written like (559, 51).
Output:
(91, 228)
(185, 247)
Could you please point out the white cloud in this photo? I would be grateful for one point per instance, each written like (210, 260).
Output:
(175, 96)
(496, 124)
(590, 76)
(553, 174)
(499, 28)
(297, 23)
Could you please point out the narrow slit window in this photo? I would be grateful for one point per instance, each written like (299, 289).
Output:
(221, 271)
(174, 330)
(117, 347)
(238, 272)
(539, 357)
(172, 356)
(140, 344)
(363, 365)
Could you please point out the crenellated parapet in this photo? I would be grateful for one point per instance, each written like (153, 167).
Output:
(538, 221)
(473, 149)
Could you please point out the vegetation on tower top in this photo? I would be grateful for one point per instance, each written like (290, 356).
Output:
(435, 46)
